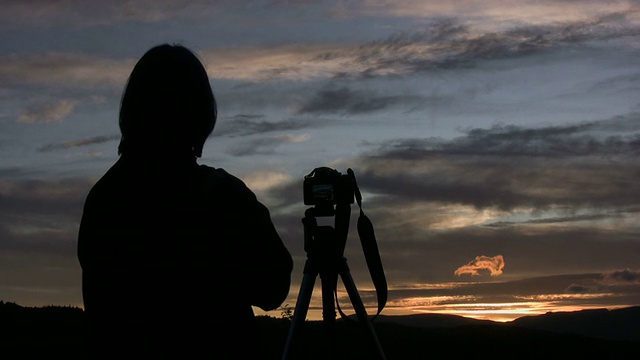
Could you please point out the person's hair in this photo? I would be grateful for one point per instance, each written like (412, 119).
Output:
(168, 104)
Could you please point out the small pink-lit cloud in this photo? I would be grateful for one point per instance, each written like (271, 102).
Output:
(493, 264)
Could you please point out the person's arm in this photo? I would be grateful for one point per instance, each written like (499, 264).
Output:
(85, 254)
(273, 262)
(267, 262)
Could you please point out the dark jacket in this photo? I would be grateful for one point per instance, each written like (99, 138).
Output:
(173, 258)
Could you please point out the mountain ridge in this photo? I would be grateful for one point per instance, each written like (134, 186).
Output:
(610, 324)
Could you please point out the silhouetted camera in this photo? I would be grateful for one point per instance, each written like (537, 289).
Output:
(325, 186)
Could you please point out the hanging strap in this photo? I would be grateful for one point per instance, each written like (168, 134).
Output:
(371, 253)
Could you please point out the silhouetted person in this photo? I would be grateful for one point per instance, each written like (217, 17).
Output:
(174, 253)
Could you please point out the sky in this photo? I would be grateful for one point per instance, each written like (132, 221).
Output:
(496, 143)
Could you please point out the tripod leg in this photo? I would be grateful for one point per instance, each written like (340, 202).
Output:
(329, 280)
(302, 307)
(359, 308)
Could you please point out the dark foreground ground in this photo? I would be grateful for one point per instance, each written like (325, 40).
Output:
(57, 333)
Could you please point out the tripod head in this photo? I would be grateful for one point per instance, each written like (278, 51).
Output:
(326, 240)
(331, 194)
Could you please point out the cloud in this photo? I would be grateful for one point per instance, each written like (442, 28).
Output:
(244, 125)
(554, 220)
(526, 296)
(47, 113)
(587, 165)
(265, 145)
(266, 138)
(261, 181)
(344, 100)
(38, 232)
(494, 264)
(579, 289)
(39, 215)
(290, 138)
(66, 13)
(491, 13)
(293, 62)
(443, 44)
(78, 143)
(623, 276)
(63, 70)
(581, 139)
(617, 281)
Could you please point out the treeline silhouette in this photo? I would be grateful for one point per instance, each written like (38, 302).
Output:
(58, 331)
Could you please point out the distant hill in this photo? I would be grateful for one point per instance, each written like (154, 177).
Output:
(52, 332)
(435, 321)
(30, 332)
(618, 324)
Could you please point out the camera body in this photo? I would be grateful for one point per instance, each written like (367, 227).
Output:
(325, 186)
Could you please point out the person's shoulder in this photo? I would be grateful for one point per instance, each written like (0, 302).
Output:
(220, 178)
(108, 180)
(210, 173)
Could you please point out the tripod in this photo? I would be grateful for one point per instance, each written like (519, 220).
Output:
(324, 246)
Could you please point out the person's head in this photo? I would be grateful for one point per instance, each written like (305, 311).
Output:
(168, 105)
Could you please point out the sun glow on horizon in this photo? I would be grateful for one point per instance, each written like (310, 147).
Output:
(466, 305)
